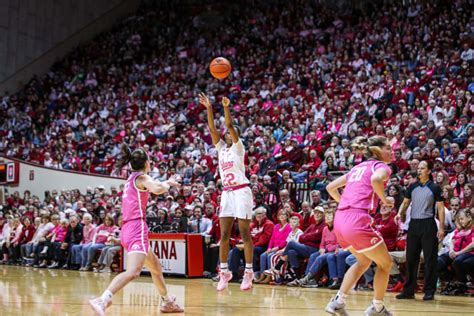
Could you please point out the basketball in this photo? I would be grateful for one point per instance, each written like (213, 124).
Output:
(220, 68)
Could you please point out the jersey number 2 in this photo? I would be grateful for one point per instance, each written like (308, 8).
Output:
(229, 180)
(357, 174)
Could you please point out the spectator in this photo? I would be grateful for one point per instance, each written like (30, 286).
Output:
(11, 249)
(460, 255)
(101, 235)
(41, 232)
(273, 273)
(88, 231)
(277, 242)
(74, 236)
(308, 244)
(27, 232)
(113, 246)
(199, 224)
(319, 259)
(57, 247)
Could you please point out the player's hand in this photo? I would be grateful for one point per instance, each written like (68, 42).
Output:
(452, 254)
(225, 102)
(204, 100)
(174, 181)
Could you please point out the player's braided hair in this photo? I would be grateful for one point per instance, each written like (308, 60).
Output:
(369, 147)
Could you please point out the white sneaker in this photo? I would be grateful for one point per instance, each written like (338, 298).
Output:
(371, 311)
(334, 308)
(224, 278)
(98, 305)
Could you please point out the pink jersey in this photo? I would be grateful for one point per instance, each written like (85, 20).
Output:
(134, 200)
(358, 192)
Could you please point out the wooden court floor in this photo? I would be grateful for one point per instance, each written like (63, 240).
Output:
(29, 291)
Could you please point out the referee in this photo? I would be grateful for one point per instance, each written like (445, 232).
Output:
(425, 197)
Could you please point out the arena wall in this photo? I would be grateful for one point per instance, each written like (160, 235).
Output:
(34, 34)
(38, 179)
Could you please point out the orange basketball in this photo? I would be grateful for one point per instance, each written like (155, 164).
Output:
(220, 68)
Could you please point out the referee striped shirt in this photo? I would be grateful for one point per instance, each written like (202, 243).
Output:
(423, 199)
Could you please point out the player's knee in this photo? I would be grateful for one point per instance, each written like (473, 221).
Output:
(225, 236)
(133, 274)
(385, 264)
(246, 237)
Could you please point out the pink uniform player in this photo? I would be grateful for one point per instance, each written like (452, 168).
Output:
(352, 223)
(134, 236)
(363, 187)
(237, 199)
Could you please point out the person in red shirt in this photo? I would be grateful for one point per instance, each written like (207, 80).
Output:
(306, 217)
(26, 235)
(261, 230)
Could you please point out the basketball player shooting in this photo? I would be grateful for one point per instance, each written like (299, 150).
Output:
(236, 200)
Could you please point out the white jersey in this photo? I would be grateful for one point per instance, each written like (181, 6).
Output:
(232, 164)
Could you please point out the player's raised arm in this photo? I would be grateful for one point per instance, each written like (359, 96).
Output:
(228, 120)
(204, 100)
(157, 187)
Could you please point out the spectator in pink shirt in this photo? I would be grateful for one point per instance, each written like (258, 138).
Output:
(59, 235)
(277, 241)
(101, 235)
(319, 259)
(88, 234)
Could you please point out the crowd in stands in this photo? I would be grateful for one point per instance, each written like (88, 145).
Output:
(305, 83)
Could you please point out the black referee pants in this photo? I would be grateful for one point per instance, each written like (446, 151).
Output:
(421, 236)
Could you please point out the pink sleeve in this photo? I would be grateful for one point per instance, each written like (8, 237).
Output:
(323, 239)
(272, 239)
(284, 235)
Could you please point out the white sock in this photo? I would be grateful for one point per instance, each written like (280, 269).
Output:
(378, 305)
(248, 267)
(106, 296)
(224, 267)
(341, 297)
(165, 298)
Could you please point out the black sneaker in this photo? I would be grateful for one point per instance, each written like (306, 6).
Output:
(335, 285)
(428, 297)
(403, 296)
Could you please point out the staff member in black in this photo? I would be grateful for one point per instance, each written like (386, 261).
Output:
(425, 197)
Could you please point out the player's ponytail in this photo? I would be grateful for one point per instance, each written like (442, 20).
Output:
(137, 158)
(369, 147)
(124, 157)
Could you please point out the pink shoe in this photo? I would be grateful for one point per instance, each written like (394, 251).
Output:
(247, 281)
(99, 306)
(224, 278)
(170, 306)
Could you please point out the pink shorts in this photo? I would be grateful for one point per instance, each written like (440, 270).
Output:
(134, 236)
(353, 230)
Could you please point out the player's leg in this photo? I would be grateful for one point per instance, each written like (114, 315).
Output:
(224, 274)
(337, 305)
(244, 229)
(168, 303)
(384, 263)
(135, 262)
